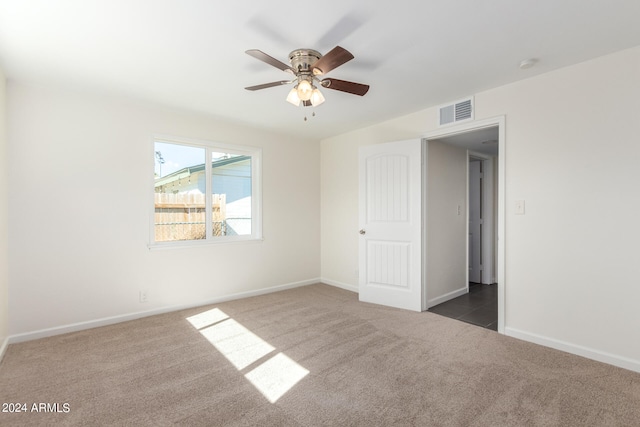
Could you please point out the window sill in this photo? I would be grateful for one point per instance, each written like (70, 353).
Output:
(185, 244)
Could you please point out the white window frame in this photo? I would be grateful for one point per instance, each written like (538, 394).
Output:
(256, 192)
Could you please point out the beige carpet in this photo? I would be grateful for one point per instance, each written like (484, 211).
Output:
(312, 356)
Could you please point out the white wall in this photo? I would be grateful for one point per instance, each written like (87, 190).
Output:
(4, 221)
(572, 154)
(81, 168)
(446, 248)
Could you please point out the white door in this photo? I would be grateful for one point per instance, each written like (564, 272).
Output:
(475, 222)
(390, 216)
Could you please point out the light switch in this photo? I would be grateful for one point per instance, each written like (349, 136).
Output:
(519, 207)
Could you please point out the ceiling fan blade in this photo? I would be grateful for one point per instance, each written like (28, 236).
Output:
(343, 28)
(258, 54)
(345, 86)
(333, 59)
(266, 85)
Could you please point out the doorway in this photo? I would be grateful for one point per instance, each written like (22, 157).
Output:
(482, 237)
(483, 143)
(476, 233)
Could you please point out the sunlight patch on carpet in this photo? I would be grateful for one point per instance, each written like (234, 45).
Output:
(273, 377)
(207, 318)
(238, 344)
(276, 376)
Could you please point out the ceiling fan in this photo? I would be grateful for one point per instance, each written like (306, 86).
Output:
(308, 65)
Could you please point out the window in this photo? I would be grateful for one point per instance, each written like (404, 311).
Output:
(205, 192)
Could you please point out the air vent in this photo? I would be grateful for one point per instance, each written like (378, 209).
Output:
(456, 112)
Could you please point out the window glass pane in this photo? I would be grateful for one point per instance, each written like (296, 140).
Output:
(179, 192)
(231, 194)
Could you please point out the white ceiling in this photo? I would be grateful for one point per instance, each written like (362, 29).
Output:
(189, 54)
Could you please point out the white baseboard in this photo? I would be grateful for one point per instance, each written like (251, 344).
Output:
(3, 348)
(589, 353)
(446, 297)
(80, 326)
(340, 285)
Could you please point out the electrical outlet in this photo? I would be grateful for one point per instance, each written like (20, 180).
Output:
(143, 296)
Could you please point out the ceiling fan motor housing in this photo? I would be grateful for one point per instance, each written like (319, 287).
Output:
(303, 59)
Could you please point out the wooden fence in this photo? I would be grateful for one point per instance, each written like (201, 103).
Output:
(183, 216)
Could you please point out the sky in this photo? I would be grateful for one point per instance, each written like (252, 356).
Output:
(177, 156)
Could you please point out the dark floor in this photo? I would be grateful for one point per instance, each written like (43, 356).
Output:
(479, 307)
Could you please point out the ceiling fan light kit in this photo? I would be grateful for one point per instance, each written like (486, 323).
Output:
(307, 65)
(304, 89)
(316, 97)
(293, 97)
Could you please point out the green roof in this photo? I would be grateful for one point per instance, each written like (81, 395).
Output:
(184, 172)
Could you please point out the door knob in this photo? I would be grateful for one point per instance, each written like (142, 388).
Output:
(362, 231)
